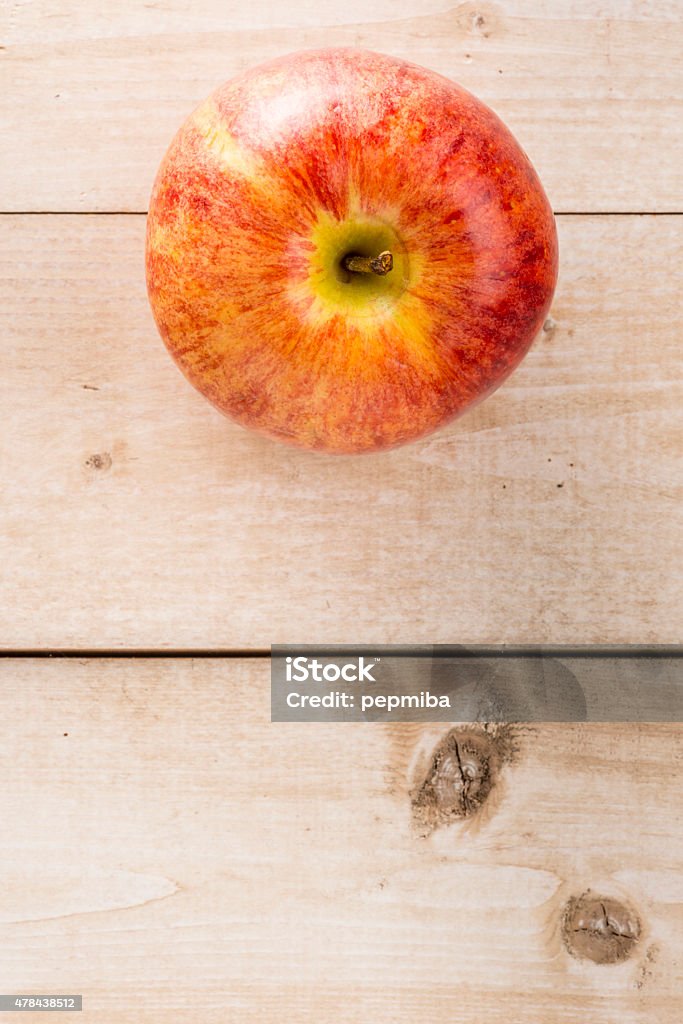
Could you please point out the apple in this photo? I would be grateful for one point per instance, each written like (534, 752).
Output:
(346, 250)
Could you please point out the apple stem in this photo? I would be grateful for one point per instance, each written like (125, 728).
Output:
(379, 265)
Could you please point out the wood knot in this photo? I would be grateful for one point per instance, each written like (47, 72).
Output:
(100, 461)
(463, 770)
(600, 928)
(477, 19)
(479, 24)
(549, 327)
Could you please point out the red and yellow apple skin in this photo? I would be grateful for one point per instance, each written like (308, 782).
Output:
(286, 169)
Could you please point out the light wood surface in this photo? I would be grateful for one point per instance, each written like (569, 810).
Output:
(91, 93)
(135, 515)
(165, 849)
(175, 856)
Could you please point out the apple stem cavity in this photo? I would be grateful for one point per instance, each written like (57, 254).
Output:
(380, 265)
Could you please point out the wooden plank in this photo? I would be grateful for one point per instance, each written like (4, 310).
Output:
(171, 855)
(134, 515)
(91, 94)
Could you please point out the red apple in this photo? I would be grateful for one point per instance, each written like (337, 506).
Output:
(267, 197)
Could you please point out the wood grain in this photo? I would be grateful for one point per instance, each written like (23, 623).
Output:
(134, 515)
(170, 854)
(91, 94)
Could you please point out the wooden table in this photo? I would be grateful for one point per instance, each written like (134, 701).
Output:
(164, 849)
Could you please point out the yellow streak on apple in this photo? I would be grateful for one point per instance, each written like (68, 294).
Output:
(230, 154)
